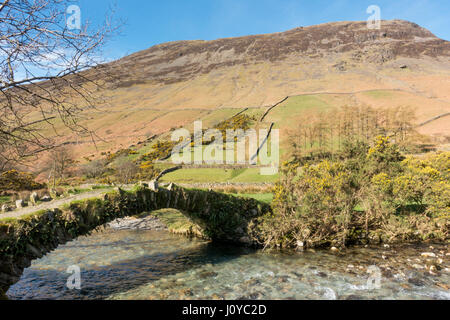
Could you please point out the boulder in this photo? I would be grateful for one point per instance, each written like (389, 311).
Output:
(6, 208)
(153, 185)
(46, 198)
(34, 198)
(171, 187)
(246, 240)
(20, 204)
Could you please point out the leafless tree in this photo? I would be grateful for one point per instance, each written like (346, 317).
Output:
(47, 73)
(94, 169)
(325, 132)
(126, 170)
(61, 159)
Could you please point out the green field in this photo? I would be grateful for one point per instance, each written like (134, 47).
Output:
(290, 111)
(205, 175)
(263, 197)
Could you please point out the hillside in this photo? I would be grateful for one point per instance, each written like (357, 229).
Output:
(334, 64)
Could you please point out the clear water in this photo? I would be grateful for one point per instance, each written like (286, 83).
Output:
(159, 265)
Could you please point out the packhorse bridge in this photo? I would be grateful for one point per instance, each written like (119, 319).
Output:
(221, 217)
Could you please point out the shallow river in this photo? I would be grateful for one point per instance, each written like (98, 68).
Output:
(158, 265)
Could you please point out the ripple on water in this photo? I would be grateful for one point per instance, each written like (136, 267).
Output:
(131, 264)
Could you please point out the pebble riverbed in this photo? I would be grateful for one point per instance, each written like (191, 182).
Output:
(154, 264)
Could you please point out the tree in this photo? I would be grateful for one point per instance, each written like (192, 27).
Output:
(44, 73)
(59, 163)
(126, 170)
(94, 169)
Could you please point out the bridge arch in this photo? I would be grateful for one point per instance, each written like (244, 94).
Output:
(222, 218)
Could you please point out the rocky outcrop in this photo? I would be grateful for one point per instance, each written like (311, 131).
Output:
(221, 217)
(178, 61)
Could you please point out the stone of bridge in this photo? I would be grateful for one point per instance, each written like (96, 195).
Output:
(222, 217)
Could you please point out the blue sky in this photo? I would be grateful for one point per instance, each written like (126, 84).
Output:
(150, 22)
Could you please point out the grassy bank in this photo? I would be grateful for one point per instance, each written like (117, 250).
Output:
(176, 222)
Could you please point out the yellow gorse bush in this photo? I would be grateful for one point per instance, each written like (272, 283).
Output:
(374, 195)
(18, 181)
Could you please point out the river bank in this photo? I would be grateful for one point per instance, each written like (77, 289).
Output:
(206, 214)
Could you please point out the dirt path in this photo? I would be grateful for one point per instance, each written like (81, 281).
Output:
(97, 193)
(53, 204)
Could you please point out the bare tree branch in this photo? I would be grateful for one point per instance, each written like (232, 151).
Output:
(47, 73)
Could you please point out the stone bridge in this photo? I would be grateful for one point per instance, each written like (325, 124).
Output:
(221, 217)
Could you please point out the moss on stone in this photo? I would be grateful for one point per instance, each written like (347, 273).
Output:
(177, 222)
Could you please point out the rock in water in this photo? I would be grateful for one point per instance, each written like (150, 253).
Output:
(129, 223)
(428, 255)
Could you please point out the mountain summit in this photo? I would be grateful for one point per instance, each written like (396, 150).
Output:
(184, 60)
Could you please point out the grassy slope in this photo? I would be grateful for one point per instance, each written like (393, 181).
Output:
(287, 117)
(141, 110)
(133, 114)
(205, 175)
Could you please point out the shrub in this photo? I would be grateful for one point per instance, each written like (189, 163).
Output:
(316, 206)
(18, 181)
(376, 196)
(147, 171)
(94, 169)
(126, 170)
(160, 150)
